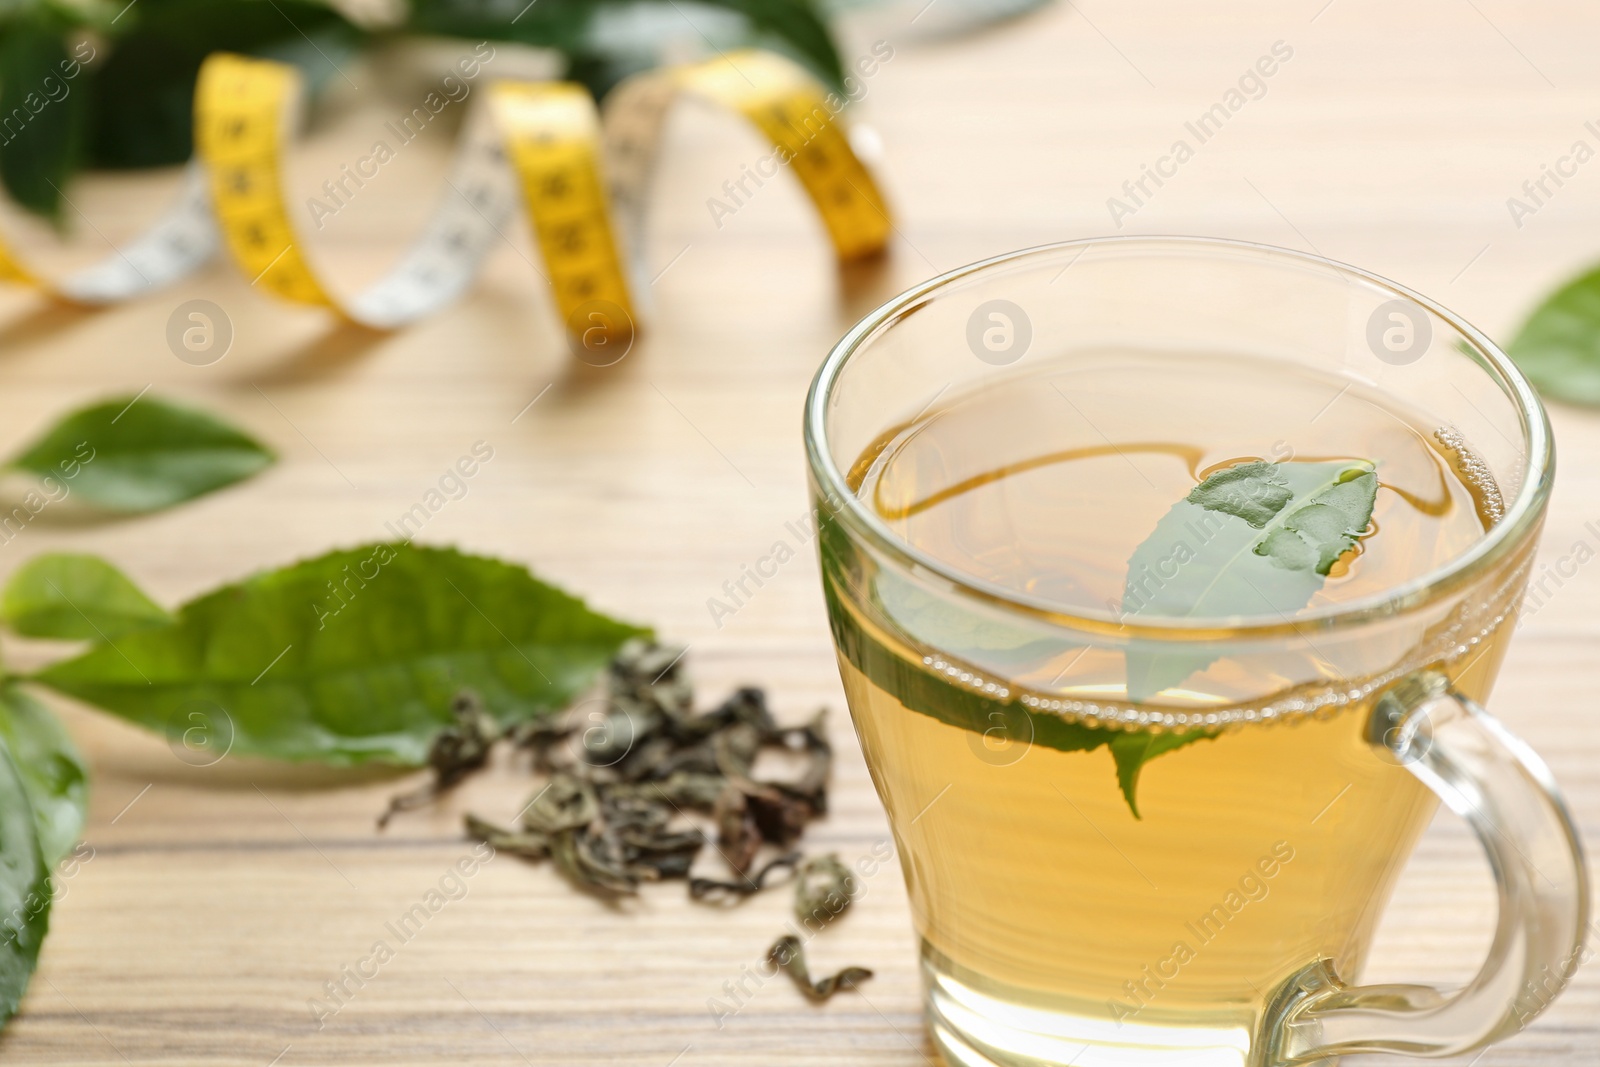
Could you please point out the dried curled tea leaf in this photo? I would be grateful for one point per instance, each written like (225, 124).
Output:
(624, 787)
(738, 835)
(456, 752)
(667, 855)
(780, 814)
(526, 843)
(567, 803)
(635, 789)
(716, 891)
(645, 831)
(823, 889)
(593, 863)
(735, 748)
(648, 673)
(747, 706)
(812, 739)
(681, 789)
(788, 955)
(540, 736)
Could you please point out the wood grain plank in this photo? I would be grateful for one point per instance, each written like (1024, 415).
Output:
(219, 903)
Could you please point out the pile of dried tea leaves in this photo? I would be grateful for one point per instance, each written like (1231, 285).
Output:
(637, 783)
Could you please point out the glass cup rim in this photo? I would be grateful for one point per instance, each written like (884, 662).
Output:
(1521, 519)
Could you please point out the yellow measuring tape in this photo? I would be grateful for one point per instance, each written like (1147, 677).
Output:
(553, 140)
(243, 116)
(537, 146)
(795, 114)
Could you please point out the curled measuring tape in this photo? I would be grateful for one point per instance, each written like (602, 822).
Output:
(534, 145)
(180, 241)
(244, 112)
(787, 106)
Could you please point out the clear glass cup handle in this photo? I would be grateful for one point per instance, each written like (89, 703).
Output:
(1491, 778)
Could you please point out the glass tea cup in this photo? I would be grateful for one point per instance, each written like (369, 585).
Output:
(1106, 869)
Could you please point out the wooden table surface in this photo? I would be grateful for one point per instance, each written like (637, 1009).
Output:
(219, 900)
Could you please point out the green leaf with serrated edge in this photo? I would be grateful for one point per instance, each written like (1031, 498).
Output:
(74, 597)
(137, 454)
(51, 769)
(24, 889)
(1204, 560)
(1559, 346)
(353, 656)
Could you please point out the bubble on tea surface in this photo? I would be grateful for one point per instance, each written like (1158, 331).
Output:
(1474, 473)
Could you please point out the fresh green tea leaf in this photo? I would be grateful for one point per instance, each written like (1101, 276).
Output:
(24, 889)
(1559, 346)
(45, 113)
(354, 656)
(75, 597)
(605, 42)
(141, 106)
(51, 771)
(1254, 539)
(143, 454)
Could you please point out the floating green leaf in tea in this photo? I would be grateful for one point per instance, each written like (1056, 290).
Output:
(1253, 539)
